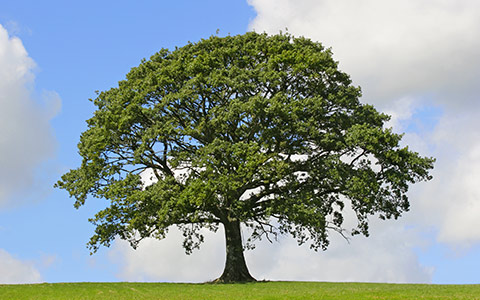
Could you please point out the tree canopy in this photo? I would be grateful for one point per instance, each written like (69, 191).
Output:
(251, 129)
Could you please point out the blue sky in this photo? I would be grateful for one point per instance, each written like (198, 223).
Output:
(415, 61)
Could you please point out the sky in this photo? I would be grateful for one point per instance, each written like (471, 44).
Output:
(415, 60)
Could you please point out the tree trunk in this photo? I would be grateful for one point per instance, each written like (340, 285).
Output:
(235, 266)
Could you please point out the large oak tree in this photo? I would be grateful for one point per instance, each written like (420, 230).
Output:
(251, 129)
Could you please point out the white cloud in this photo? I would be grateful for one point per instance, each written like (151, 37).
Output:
(387, 256)
(390, 48)
(166, 260)
(26, 138)
(451, 202)
(15, 271)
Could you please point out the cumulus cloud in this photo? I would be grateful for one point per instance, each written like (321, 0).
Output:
(15, 271)
(452, 200)
(390, 48)
(26, 138)
(165, 260)
(387, 256)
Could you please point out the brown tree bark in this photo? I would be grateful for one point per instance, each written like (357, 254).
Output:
(235, 266)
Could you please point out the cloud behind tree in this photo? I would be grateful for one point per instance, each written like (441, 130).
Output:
(26, 137)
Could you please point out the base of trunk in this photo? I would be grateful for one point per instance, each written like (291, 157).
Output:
(234, 277)
(236, 269)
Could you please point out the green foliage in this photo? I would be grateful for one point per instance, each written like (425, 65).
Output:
(259, 129)
(250, 291)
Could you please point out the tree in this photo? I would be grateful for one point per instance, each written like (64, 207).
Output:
(251, 129)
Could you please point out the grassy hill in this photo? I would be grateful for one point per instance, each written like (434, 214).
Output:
(259, 290)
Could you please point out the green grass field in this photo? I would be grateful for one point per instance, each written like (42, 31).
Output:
(259, 290)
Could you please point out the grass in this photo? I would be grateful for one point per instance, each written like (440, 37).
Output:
(259, 290)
